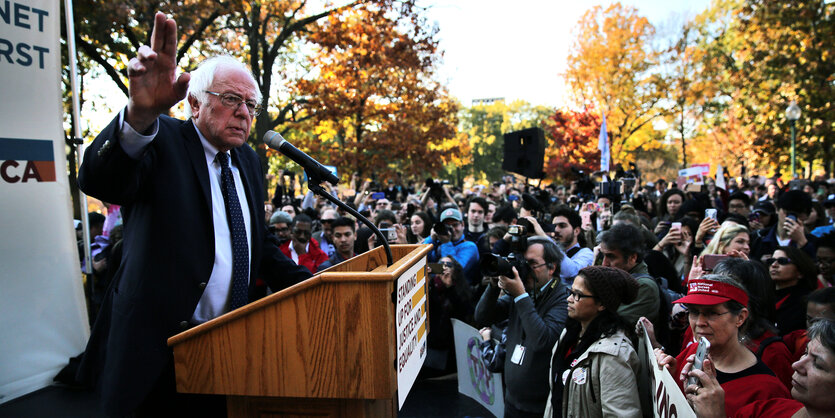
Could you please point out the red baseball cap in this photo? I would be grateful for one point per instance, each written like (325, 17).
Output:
(709, 292)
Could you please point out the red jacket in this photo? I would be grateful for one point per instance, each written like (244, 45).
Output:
(311, 259)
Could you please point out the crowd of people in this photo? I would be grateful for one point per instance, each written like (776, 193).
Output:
(557, 277)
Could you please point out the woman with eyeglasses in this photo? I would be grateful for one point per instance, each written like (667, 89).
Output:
(761, 336)
(594, 366)
(717, 311)
(794, 275)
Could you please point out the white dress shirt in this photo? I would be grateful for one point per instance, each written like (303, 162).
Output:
(214, 301)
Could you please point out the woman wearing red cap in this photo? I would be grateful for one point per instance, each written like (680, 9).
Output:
(717, 310)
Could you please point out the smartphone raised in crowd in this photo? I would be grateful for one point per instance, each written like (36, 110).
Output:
(711, 260)
(698, 361)
(710, 213)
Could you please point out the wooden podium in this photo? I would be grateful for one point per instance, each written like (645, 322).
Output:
(323, 347)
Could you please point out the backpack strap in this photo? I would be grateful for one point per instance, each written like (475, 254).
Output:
(766, 342)
(574, 250)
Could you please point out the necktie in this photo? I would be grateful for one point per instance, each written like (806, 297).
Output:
(238, 294)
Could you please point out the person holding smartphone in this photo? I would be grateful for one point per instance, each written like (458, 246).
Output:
(811, 388)
(717, 308)
(793, 208)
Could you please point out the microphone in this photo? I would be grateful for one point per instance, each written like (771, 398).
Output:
(275, 141)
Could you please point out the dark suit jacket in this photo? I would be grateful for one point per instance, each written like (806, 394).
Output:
(168, 253)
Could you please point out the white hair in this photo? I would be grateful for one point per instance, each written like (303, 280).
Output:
(203, 77)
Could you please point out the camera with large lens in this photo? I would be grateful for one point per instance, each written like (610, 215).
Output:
(496, 265)
(442, 229)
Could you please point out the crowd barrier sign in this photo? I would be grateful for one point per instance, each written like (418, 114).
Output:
(667, 399)
(474, 380)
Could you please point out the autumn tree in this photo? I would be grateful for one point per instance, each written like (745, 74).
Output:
(612, 66)
(761, 55)
(573, 138)
(678, 63)
(372, 95)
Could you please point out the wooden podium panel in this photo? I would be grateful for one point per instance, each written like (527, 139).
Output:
(330, 338)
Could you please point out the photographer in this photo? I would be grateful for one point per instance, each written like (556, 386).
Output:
(528, 227)
(535, 305)
(448, 240)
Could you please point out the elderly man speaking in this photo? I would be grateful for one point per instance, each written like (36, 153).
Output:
(194, 234)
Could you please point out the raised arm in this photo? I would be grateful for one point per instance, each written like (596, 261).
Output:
(154, 84)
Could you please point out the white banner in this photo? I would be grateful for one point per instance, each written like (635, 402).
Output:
(667, 399)
(43, 320)
(411, 327)
(474, 380)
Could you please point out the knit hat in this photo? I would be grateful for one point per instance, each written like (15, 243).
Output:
(610, 285)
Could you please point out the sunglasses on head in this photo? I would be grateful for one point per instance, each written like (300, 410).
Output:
(780, 260)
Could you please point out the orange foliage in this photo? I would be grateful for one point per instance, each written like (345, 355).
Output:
(376, 107)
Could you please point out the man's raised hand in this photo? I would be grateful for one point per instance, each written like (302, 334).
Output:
(154, 85)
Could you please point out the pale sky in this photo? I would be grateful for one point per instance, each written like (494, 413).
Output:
(517, 50)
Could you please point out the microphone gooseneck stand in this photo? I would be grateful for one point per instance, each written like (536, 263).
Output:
(313, 183)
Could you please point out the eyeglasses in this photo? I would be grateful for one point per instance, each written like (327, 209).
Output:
(780, 260)
(326, 221)
(532, 264)
(446, 264)
(301, 231)
(578, 296)
(233, 101)
(709, 315)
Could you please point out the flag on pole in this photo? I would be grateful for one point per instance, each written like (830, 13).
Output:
(720, 178)
(603, 146)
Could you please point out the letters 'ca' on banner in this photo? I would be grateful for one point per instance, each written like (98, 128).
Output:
(43, 319)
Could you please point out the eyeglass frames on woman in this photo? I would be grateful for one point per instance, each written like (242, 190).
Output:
(579, 296)
(233, 101)
(709, 315)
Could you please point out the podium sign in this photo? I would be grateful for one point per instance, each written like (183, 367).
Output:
(411, 327)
